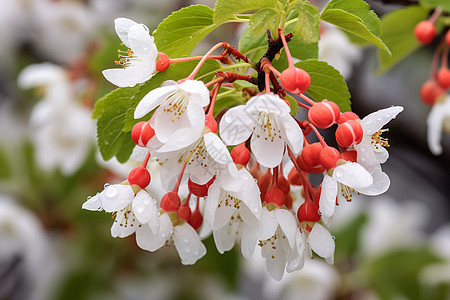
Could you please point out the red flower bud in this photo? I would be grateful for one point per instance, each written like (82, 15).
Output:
(324, 114)
(163, 62)
(240, 154)
(425, 32)
(170, 202)
(184, 212)
(294, 177)
(348, 115)
(295, 80)
(349, 133)
(275, 196)
(430, 92)
(211, 123)
(329, 157)
(200, 190)
(141, 133)
(310, 154)
(443, 76)
(139, 176)
(308, 212)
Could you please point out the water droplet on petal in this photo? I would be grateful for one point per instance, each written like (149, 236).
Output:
(111, 192)
(338, 173)
(106, 185)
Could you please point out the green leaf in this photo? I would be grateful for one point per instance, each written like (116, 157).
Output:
(444, 4)
(326, 83)
(348, 237)
(225, 10)
(227, 101)
(111, 111)
(307, 26)
(175, 72)
(180, 32)
(5, 168)
(399, 36)
(396, 273)
(293, 104)
(249, 44)
(262, 20)
(356, 17)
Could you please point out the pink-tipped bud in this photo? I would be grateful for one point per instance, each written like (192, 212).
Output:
(139, 176)
(348, 115)
(275, 196)
(141, 133)
(329, 157)
(311, 153)
(443, 76)
(308, 212)
(240, 154)
(163, 62)
(324, 114)
(430, 92)
(295, 80)
(170, 202)
(184, 212)
(425, 32)
(349, 133)
(211, 123)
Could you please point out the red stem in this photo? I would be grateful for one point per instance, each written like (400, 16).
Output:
(267, 81)
(288, 54)
(319, 136)
(177, 185)
(183, 59)
(144, 164)
(213, 99)
(194, 72)
(312, 102)
(437, 12)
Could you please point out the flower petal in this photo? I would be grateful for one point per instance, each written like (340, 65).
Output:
(225, 237)
(122, 26)
(147, 240)
(296, 258)
(267, 150)
(188, 244)
(143, 45)
(321, 241)
(293, 134)
(434, 129)
(93, 203)
(327, 201)
(248, 240)
(376, 120)
(217, 149)
(145, 210)
(268, 226)
(366, 156)
(235, 126)
(288, 224)
(276, 264)
(124, 224)
(352, 175)
(268, 103)
(199, 93)
(152, 99)
(381, 154)
(381, 183)
(115, 197)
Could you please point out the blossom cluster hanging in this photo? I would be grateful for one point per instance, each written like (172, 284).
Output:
(242, 176)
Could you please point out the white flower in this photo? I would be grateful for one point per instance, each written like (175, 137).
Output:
(336, 49)
(139, 63)
(318, 239)
(179, 118)
(346, 177)
(266, 118)
(185, 238)
(62, 130)
(435, 121)
(370, 151)
(234, 215)
(134, 213)
(277, 238)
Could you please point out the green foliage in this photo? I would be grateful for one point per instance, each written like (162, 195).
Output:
(307, 27)
(180, 32)
(5, 169)
(348, 237)
(356, 17)
(293, 104)
(326, 83)
(395, 274)
(444, 4)
(399, 36)
(262, 20)
(226, 10)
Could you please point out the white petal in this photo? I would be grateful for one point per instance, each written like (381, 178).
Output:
(434, 133)
(188, 244)
(381, 154)
(296, 258)
(268, 226)
(93, 203)
(288, 224)
(217, 149)
(211, 204)
(236, 126)
(115, 197)
(226, 236)
(381, 183)
(376, 120)
(144, 207)
(366, 156)
(275, 266)
(268, 103)
(153, 99)
(352, 175)
(327, 201)
(248, 240)
(293, 134)
(142, 45)
(43, 74)
(124, 224)
(122, 26)
(321, 241)
(268, 152)
(223, 215)
(147, 240)
(199, 93)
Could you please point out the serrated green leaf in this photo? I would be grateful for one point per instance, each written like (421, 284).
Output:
(180, 32)
(251, 44)
(399, 36)
(102, 104)
(175, 72)
(112, 141)
(262, 20)
(307, 27)
(293, 104)
(228, 101)
(225, 10)
(326, 83)
(444, 4)
(356, 17)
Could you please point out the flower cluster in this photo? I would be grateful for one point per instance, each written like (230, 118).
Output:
(257, 194)
(434, 92)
